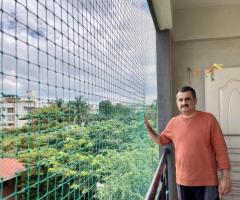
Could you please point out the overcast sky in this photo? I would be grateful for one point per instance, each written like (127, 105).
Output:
(99, 49)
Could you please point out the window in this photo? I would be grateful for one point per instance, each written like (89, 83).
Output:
(29, 108)
(10, 110)
(10, 118)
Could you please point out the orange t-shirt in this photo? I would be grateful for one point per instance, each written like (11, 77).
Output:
(200, 149)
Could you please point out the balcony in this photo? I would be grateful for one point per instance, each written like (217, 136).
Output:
(92, 70)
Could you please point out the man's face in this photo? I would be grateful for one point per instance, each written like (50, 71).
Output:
(185, 102)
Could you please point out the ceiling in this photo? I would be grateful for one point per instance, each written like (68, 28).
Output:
(181, 4)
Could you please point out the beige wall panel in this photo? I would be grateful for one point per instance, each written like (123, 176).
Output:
(206, 23)
(163, 12)
(200, 55)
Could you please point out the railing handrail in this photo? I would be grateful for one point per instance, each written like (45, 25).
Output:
(156, 179)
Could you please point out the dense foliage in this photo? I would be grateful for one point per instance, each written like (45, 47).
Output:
(104, 158)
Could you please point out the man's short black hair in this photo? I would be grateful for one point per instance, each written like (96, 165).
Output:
(187, 89)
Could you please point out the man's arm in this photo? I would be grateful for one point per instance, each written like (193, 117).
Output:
(222, 157)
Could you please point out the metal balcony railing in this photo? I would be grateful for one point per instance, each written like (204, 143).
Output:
(159, 186)
(160, 189)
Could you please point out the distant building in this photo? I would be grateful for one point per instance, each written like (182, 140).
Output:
(94, 109)
(13, 109)
(8, 170)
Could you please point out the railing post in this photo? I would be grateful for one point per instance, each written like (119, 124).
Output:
(164, 94)
(164, 89)
(172, 192)
(158, 177)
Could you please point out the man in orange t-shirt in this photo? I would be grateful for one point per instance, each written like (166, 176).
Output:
(200, 150)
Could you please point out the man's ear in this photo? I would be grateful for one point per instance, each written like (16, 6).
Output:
(196, 101)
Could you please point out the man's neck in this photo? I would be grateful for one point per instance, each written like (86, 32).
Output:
(189, 114)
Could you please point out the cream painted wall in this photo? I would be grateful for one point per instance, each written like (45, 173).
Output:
(201, 37)
(163, 12)
(200, 55)
(205, 23)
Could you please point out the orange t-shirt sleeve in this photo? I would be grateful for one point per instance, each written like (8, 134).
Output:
(164, 139)
(219, 146)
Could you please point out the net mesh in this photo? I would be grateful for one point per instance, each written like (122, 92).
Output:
(76, 78)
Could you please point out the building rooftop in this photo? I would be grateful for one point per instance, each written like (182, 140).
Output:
(9, 167)
(10, 95)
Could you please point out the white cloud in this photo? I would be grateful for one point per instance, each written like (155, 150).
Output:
(9, 85)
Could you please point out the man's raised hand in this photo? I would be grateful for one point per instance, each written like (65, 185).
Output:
(146, 122)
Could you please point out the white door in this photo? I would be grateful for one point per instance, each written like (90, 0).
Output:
(222, 98)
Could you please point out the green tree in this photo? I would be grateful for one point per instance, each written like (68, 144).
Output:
(65, 160)
(122, 109)
(126, 175)
(76, 110)
(104, 159)
(58, 112)
(105, 107)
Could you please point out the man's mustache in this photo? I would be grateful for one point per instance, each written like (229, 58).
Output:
(184, 106)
